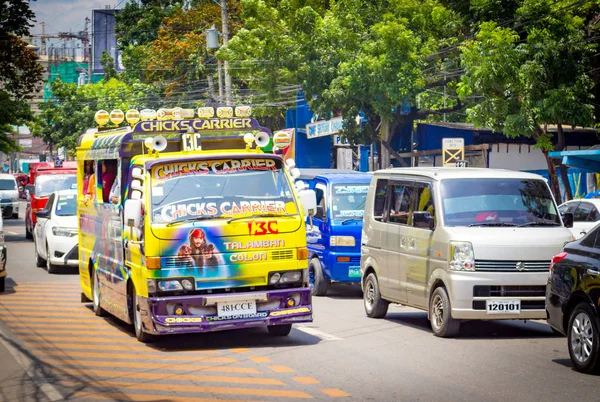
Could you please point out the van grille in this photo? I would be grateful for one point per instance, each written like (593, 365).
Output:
(282, 255)
(511, 266)
(176, 262)
(509, 291)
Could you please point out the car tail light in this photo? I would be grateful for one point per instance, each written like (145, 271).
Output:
(557, 258)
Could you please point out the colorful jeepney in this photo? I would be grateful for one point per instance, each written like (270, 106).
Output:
(200, 230)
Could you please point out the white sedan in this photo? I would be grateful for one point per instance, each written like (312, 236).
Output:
(55, 233)
(586, 214)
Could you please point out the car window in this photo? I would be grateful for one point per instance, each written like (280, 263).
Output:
(379, 202)
(425, 209)
(590, 238)
(321, 203)
(594, 215)
(401, 206)
(8, 184)
(65, 205)
(582, 212)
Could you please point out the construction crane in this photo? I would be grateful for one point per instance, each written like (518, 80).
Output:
(83, 36)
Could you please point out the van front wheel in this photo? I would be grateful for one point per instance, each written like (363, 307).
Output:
(440, 314)
(318, 282)
(375, 306)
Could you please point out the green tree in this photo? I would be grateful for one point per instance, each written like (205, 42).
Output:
(108, 65)
(349, 56)
(531, 78)
(20, 74)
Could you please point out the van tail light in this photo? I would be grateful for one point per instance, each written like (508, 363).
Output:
(557, 258)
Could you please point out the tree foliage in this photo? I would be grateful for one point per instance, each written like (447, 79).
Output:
(20, 74)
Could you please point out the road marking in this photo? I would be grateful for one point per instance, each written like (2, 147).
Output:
(148, 365)
(277, 393)
(62, 339)
(145, 398)
(240, 350)
(281, 369)
(319, 334)
(335, 392)
(260, 359)
(306, 380)
(158, 357)
(29, 331)
(47, 388)
(176, 376)
(14, 233)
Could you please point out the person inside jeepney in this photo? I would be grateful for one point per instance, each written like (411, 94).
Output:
(109, 174)
(88, 172)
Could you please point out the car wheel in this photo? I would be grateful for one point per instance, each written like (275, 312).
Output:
(39, 261)
(15, 215)
(279, 330)
(375, 306)
(51, 268)
(440, 314)
(583, 339)
(137, 322)
(96, 296)
(2, 284)
(318, 282)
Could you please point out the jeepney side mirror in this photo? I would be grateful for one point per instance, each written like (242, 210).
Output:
(308, 201)
(133, 217)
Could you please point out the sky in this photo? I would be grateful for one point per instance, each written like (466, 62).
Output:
(65, 15)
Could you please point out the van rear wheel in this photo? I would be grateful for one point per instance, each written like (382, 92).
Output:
(440, 314)
(317, 278)
(375, 306)
(96, 296)
(138, 326)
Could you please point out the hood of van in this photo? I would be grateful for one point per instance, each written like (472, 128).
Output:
(512, 243)
(9, 194)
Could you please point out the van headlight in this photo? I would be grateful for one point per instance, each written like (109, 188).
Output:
(462, 257)
(348, 241)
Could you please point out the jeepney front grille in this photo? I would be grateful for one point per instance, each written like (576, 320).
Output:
(282, 255)
(512, 266)
(177, 262)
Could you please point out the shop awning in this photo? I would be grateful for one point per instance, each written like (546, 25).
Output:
(588, 159)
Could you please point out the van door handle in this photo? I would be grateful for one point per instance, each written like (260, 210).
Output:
(593, 272)
(411, 243)
(403, 242)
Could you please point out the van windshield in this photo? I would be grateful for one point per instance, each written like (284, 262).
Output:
(196, 190)
(348, 200)
(498, 202)
(8, 184)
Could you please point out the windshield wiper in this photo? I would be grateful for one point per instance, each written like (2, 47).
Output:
(351, 220)
(261, 216)
(200, 218)
(493, 224)
(540, 223)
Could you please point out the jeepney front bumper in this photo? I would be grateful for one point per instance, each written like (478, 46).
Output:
(199, 312)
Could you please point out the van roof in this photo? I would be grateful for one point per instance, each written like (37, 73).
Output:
(7, 176)
(441, 173)
(338, 174)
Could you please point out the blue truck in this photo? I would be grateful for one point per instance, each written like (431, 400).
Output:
(333, 235)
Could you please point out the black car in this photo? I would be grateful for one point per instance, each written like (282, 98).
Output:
(573, 299)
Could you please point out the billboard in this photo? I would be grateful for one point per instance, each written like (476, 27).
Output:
(104, 38)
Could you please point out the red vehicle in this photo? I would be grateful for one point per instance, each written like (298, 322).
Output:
(44, 179)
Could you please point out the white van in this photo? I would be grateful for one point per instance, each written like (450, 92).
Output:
(460, 243)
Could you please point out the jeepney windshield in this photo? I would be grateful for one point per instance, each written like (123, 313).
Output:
(49, 183)
(498, 202)
(228, 188)
(348, 200)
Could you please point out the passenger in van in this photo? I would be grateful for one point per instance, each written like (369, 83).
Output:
(109, 174)
(88, 169)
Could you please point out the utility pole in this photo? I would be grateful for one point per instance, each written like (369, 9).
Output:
(225, 21)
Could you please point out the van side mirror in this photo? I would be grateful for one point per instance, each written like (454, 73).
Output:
(568, 219)
(133, 213)
(30, 189)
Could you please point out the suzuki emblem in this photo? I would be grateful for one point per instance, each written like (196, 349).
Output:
(520, 266)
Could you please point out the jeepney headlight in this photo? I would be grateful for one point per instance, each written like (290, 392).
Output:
(462, 257)
(169, 286)
(348, 241)
(187, 284)
(274, 278)
(151, 283)
(291, 276)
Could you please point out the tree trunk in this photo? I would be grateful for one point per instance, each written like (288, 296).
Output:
(560, 146)
(554, 185)
(384, 134)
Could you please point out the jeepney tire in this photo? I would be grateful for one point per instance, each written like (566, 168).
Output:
(440, 314)
(39, 261)
(2, 284)
(137, 321)
(590, 334)
(375, 306)
(320, 283)
(279, 330)
(96, 299)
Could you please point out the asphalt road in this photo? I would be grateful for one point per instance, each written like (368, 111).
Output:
(72, 354)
